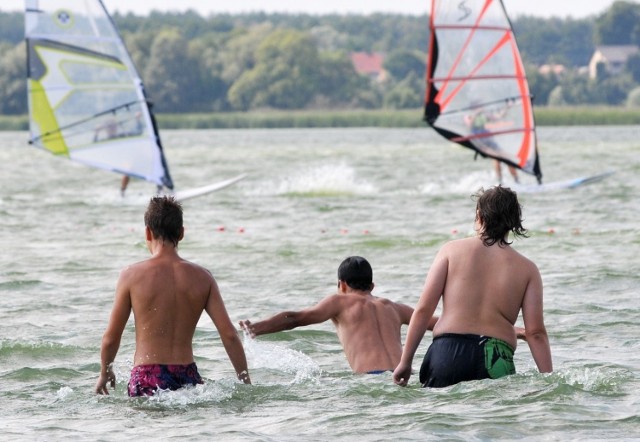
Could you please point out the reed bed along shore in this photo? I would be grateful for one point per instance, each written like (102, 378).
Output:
(545, 116)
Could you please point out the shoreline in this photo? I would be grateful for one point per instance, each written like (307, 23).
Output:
(384, 118)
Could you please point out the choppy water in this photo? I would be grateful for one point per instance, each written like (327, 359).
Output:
(274, 242)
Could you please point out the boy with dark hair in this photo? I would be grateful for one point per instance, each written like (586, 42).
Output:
(368, 327)
(483, 284)
(167, 295)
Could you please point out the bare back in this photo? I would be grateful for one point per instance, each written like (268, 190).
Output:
(484, 290)
(369, 330)
(168, 296)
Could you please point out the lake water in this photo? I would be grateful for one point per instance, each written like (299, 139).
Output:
(274, 241)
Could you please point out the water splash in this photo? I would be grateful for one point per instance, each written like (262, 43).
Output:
(265, 355)
(329, 179)
(64, 392)
(605, 380)
(209, 392)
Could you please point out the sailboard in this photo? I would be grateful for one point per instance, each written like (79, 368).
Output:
(559, 185)
(477, 94)
(183, 195)
(87, 101)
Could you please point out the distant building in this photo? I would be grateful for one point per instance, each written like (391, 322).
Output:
(613, 58)
(552, 69)
(369, 64)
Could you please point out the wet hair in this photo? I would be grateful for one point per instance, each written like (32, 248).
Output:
(499, 213)
(164, 218)
(356, 272)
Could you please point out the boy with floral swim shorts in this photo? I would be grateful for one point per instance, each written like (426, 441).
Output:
(167, 295)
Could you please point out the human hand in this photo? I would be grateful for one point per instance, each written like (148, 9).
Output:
(108, 377)
(401, 374)
(520, 333)
(247, 326)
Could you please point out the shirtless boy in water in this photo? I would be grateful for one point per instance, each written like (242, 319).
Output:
(167, 295)
(368, 327)
(483, 284)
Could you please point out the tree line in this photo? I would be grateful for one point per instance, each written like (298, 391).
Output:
(224, 62)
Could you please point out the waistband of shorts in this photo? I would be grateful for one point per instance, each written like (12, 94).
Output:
(479, 339)
(191, 364)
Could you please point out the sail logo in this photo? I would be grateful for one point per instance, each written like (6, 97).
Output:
(64, 18)
(466, 10)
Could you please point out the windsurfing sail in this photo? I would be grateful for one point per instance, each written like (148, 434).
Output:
(477, 93)
(86, 99)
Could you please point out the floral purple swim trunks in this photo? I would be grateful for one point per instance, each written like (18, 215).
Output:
(147, 379)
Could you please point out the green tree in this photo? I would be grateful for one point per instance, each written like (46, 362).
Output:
(554, 40)
(337, 83)
(400, 63)
(205, 52)
(633, 99)
(540, 86)
(284, 76)
(619, 25)
(614, 90)
(13, 80)
(139, 47)
(575, 89)
(11, 27)
(556, 97)
(633, 67)
(406, 94)
(171, 76)
(238, 53)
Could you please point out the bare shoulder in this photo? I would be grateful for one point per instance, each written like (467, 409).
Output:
(195, 267)
(135, 269)
(196, 272)
(397, 306)
(385, 301)
(456, 246)
(525, 262)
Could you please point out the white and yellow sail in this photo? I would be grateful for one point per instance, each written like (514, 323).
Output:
(86, 99)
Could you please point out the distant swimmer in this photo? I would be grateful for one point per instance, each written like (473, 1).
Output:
(484, 284)
(368, 327)
(167, 295)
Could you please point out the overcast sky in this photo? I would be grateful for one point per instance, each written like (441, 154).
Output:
(542, 8)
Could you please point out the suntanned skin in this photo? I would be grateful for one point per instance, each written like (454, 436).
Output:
(483, 289)
(167, 295)
(369, 328)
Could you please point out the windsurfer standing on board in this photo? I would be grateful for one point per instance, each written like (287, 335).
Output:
(477, 120)
(110, 128)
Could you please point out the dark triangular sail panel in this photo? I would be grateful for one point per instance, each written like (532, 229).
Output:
(477, 93)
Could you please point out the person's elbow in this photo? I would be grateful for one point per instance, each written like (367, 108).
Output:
(110, 341)
(536, 335)
(538, 341)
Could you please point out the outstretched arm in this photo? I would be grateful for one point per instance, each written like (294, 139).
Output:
(217, 311)
(113, 334)
(326, 309)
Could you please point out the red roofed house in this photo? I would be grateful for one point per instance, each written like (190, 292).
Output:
(369, 64)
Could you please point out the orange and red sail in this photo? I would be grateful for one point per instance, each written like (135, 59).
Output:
(477, 93)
